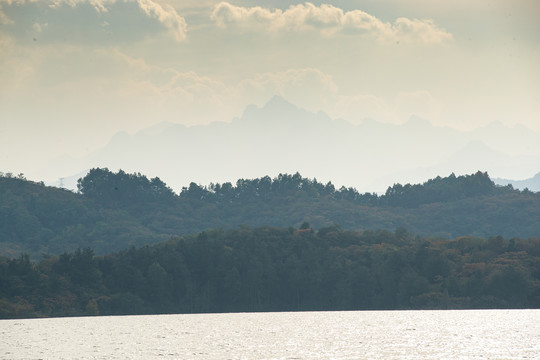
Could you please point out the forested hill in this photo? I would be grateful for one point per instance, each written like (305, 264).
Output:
(115, 210)
(277, 269)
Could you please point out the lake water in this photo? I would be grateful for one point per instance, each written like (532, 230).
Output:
(471, 334)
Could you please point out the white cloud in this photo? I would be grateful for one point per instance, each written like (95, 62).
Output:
(99, 5)
(362, 22)
(295, 18)
(111, 79)
(165, 14)
(424, 30)
(328, 20)
(225, 13)
(308, 88)
(420, 103)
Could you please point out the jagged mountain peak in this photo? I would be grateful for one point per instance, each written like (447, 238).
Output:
(277, 109)
(279, 102)
(416, 121)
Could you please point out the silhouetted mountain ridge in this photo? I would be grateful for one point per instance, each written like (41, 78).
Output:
(532, 184)
(280, 137)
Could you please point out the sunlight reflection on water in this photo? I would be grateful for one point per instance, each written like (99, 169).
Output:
(471, 334)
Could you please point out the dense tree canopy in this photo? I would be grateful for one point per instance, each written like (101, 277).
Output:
(278, 269)
(276, 245)
(124, 190)
(112, 211)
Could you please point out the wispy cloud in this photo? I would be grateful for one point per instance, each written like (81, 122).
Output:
(163, 13)
(4, 20)
(166, 15)
(306, 87)
(99, 5)
(328, 20)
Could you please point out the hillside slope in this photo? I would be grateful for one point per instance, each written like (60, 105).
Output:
(113, 211)
(277, 269)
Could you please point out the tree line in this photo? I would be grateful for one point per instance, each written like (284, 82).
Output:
(277, 269)
(115, 210)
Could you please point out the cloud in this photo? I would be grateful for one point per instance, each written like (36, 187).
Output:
(99, 5)
(420, 103)
(194, 98)
(111, 11)
(328, 20)
(357, 21)
(38, 28)
(423, 30)
(143, 92)
(356, 108)
(295, 18)
(4, 20)
(308, 88)
(166, 15)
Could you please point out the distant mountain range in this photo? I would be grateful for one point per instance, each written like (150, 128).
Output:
(533, 184)
(282, 138)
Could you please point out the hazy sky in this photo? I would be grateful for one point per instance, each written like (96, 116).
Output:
(75, 72)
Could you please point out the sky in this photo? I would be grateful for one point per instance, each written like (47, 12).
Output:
(75, 72)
